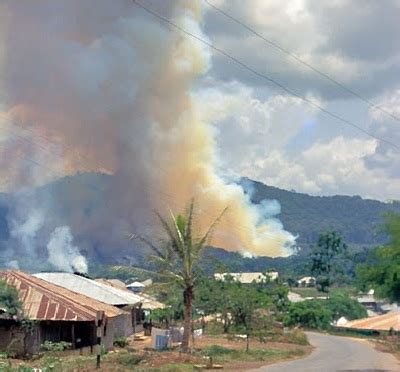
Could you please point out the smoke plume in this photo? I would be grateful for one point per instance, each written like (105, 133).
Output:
(63, 254)
(101, 86)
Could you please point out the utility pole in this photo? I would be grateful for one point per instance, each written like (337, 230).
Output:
(99, 334)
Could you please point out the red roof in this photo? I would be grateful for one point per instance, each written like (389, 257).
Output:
(42, 300)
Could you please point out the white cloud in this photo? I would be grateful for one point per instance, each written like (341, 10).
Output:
(346, 39)
(272, 141)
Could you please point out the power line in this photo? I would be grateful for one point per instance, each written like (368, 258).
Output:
(303, 62)
(263, 76)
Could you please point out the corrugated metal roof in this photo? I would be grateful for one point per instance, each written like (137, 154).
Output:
(91, 288)
(148, 302)
(135, 285)
(42, 300)
(378, 323)
(112, 282)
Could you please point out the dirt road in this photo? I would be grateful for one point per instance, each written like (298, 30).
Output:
(334, 353)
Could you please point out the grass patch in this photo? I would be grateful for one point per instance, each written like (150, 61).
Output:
(172, 367)
(222, 354)
(128, 359)
(297, 337)
(308, 292)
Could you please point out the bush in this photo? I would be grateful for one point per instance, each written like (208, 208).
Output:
(298, 337)
(9, 298)
(309, 314)
(340, 304)
(321, 313)
(121, 342)
(129, 359)
(56, 346)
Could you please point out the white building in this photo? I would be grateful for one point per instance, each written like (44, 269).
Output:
(247, 278)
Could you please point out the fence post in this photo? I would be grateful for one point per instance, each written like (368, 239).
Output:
(99, 334)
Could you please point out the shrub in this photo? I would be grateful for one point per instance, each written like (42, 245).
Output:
(340, 304)
(129, 359)
(121, 342)
(309, 314)
(56, 346)
(298, 337)
(9, 298)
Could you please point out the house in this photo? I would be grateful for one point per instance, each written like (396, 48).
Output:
(307, 281)
(107, 294)
(58, 314)
(136, 287)
(247, 278)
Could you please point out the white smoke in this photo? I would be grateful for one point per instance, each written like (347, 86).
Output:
(63, 254)
(25, 226)
(115, 96)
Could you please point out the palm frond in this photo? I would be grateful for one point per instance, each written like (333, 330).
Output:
(147, 242)
(207, 236)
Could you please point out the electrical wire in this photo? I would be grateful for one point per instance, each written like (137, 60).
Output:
(303, 62)
(264, 76)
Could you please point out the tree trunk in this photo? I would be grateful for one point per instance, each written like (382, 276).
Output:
(187, 317)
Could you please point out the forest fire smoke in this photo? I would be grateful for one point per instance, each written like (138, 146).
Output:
(110, 88)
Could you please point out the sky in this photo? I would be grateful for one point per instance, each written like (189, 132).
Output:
(260, 131)
(265, 134)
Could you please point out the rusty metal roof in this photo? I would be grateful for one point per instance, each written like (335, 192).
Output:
(379, 323)
(42, 300)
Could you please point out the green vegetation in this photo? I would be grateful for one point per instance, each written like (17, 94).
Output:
(121, 341)
(56, 346)
(249, 309)
(178, 260)
(325, 258)
(319, 314)
(9, 299)
(129, 359)
(384, 274)
(222, 354)
(341, 304)
(308, 314)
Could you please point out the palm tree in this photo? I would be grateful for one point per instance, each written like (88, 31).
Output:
(179, 259)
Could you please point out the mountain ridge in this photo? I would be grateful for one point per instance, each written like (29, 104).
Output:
(304, 215)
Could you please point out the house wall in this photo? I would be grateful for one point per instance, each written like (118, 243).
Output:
(122, 324)
(15, 340)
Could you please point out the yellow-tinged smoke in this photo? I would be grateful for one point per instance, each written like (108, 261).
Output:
(115, 96)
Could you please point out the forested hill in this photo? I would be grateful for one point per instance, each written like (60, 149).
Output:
(303, 215)
(355, 218)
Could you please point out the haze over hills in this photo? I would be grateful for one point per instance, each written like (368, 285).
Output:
(306, 216)
(357, 219)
